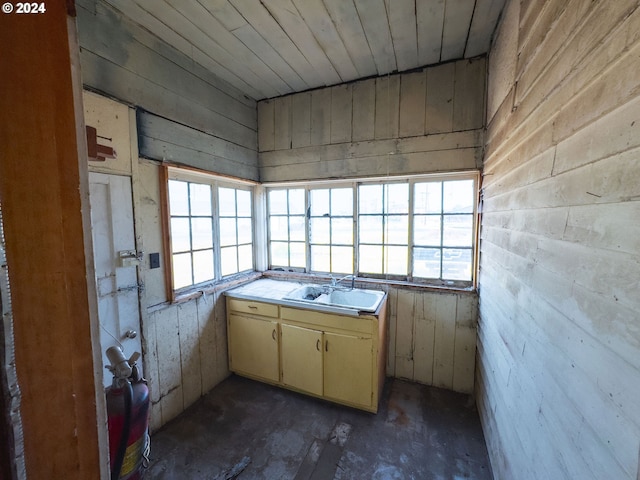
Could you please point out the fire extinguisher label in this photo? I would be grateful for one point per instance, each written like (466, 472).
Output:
(132, 456)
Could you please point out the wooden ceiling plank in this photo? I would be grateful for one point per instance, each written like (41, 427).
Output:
(373, 15)
(402, 21)
(321, 25)
(221, 79)
(258, 45)
(263, 23)
(225, 13)
(345, 18)
(483, 23)
(430, 20)
(457, 19)
(176, 21)
(201, 19)
(290, 20)
(165, 30)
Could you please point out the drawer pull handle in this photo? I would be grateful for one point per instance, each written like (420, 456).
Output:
(253, 307)
(318, 345)
(273, 334)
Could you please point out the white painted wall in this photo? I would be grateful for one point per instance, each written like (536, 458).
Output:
(558, 378)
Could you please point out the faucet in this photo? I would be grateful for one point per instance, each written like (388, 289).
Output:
(336, 281)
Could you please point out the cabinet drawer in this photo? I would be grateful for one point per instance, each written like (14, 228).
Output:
(255, 308)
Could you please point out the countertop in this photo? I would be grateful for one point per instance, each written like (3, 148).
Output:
(273, 291)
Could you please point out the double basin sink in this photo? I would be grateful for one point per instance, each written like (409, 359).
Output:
(352, 299)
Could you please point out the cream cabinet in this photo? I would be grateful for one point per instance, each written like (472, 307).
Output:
(337, 357)
(253, 342)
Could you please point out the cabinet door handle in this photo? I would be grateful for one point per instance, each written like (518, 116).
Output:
(273, 334)
(326, 345)
(318, 345)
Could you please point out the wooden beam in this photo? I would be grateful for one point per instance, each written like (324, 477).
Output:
(45, 207)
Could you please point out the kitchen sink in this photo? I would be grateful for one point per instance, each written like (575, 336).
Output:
(356, 299)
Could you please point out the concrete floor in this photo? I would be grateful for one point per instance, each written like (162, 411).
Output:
(419, 433)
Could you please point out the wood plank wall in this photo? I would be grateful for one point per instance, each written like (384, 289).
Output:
(426, 121)
(194, 111)
(559, 330)
(432, 337)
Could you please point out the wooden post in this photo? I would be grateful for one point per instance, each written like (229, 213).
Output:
(45, 208)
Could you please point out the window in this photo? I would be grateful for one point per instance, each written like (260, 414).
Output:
(418, 229)
(210, 227)
(331, 230)
(287, 229)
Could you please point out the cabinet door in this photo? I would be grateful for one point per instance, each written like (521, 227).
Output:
(302, 358)
(253, 347)
(348, 368)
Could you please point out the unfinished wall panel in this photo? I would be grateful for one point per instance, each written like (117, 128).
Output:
(125, 61)
(432, 337)
(558, 341)
(398, 124)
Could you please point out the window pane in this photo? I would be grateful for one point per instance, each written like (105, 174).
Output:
(228, 231)
(426, 262)
(370, 199)
(245, 234)
(320, 258)
(456, 264)
(201, 233)
(182, 270)
(228, 260)
(371, 229)
(370, 258)
(200, 198)
(296, 202)
(279, 228)
(319, 202)
(426, 230)
(397, 199)
(278, 202)
(244, 203)
(396, 260)
(458, 230)
(296, 229)
(319, 230)
(458, 196)
(180, 238)
(341, 201)
(178, 198)
(342, 230)
(298, 255)
(203, 266)
(227, 201)
(342, 259)
(428, 197)
(397, 229)
(245, 257)
(280, 254)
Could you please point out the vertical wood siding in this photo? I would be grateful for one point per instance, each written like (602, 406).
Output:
(432, 337)
(426, 121)
(559, 327)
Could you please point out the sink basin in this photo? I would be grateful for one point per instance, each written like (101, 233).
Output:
(356, 299)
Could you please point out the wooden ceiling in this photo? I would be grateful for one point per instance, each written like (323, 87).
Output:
(269, 48)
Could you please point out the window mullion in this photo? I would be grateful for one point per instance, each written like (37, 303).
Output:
(215, 220)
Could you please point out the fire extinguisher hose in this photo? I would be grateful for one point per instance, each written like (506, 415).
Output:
(126, 430)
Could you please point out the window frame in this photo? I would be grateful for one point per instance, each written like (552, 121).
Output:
(193, 175)
(411, 180)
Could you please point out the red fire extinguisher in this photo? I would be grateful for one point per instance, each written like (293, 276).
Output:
(127, 417)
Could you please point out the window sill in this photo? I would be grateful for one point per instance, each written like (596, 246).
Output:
(212, 288)
(374, 282)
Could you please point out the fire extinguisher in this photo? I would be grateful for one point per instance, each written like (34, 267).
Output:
(127, 417)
